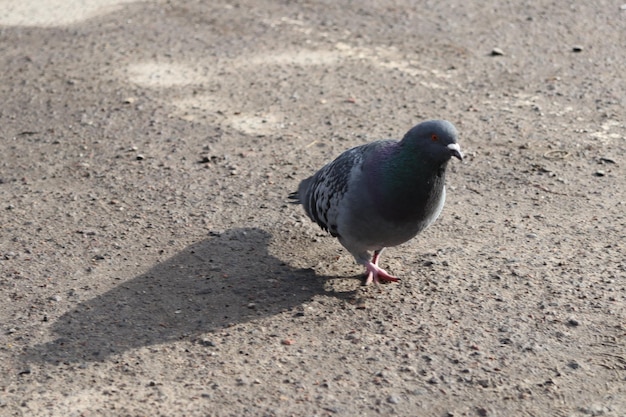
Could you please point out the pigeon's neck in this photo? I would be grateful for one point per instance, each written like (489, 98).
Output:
(405, 185)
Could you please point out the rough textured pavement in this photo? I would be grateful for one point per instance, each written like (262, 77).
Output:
(149, 262)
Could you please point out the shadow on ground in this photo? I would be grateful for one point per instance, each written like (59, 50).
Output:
(224, 280)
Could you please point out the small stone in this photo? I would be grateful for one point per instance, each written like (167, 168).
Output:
(573, 365)
(599, 173)
(433, 381)
(207, 342)
(497, 52)
(573, 321)
(577, 48)
(594, 410)
(481, 411)
(393, 399)
(140, 157)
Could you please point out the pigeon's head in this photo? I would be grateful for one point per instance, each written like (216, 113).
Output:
(435, 139)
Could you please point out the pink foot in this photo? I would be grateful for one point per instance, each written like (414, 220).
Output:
(375, 273)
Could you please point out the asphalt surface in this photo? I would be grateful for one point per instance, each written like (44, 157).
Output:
(151, 265)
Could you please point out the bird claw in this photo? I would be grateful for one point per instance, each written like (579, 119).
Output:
(376, 275)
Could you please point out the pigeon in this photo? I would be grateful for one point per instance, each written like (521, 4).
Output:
(383, 193)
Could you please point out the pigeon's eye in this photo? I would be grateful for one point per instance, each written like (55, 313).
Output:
(434, 137)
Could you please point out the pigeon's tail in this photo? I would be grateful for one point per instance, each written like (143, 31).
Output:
(300, 196)
(294, 198)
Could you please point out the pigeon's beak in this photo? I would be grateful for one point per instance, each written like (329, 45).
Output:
(455, 150)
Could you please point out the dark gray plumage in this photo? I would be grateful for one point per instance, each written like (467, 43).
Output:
(383, 193)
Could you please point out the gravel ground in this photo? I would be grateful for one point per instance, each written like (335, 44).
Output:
(150, 263)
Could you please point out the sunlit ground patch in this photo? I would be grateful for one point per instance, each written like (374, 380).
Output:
(46, 13)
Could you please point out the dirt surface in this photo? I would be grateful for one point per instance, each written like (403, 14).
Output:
(150, 263)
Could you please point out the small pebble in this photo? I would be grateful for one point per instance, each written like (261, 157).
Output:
(497, 52)
(433, 381)
(573, 321)
(207, 342)
(577, 48)
(393, 399)
(599, 173)
(594, 410)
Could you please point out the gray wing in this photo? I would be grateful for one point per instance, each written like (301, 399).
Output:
(321, 194)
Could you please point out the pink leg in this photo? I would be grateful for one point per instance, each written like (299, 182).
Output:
(376, 256)
(375, 273)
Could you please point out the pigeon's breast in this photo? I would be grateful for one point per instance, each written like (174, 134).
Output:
(394, 221)
(393, 232)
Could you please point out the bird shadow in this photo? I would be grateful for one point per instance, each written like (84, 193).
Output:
(213, 284)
